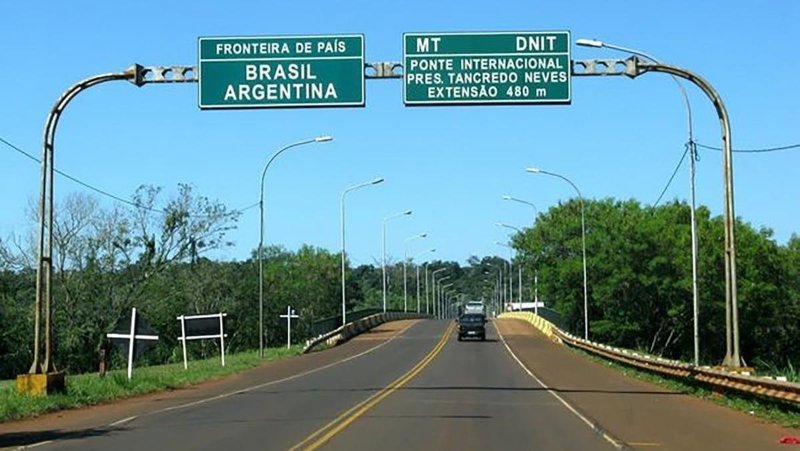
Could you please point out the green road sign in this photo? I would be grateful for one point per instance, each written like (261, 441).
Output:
(281, 71)
(486, 68)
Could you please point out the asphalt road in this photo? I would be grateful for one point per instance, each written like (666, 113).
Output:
(422, 389)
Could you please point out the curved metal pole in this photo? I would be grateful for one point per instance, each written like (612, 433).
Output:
(732, 356)
(44, 269)
(583, 241)
(530, 204)
(342, 223)
(261, 245)
(692, 172)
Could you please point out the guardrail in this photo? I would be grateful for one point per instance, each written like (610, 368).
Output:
(351, 329)
(766, 387)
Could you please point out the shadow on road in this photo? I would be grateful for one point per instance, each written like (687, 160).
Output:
(14, 439)
(471, 388)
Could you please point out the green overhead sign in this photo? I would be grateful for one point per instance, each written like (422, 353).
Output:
(486, 68)
(281, 71)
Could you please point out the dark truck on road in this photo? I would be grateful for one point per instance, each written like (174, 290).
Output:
(472, 325)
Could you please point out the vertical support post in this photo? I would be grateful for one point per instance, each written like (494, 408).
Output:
(131, 343)
(289, 326)
(536, 292)
(417, 288)
(222, 338)
(182, 319)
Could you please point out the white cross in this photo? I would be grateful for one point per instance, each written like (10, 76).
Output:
(289, 315)
(132, 337)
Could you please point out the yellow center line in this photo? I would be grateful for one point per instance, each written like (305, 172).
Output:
(328, 431)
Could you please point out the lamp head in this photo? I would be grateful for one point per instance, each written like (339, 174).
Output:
(589, 43)
(533, 169)
(323, 138)
(507, 197)
(377, 180)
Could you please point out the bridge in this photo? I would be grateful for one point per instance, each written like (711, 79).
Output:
(410, 384)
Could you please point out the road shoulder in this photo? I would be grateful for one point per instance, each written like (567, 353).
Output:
(89, 420)
(643, 415)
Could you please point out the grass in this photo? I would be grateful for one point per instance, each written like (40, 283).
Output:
(782, 413)
(91, 389)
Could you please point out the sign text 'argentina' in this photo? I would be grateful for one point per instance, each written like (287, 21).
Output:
(281, 71)
(486, 68)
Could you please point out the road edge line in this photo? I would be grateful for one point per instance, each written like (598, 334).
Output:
(236, 392)
(615, 442)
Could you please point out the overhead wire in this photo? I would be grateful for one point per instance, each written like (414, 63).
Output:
(104, 192)
(766, 150)
(674, 173)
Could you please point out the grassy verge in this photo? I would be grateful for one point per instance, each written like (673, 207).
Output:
(784, 414)
(91, 389)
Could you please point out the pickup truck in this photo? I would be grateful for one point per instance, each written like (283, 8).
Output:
(472, 325)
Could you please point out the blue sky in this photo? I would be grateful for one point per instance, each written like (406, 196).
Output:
(451, 165)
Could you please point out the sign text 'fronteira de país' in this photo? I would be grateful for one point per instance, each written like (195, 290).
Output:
(281, 71)
(486, 68)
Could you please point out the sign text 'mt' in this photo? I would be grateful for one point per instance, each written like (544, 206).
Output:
(486, 68)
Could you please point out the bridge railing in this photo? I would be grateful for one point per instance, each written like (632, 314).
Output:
(717, 378)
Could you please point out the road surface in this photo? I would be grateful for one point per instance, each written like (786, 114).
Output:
(412, 385)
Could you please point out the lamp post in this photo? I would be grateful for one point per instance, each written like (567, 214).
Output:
(530, 204)
(434, 290)
(426, 289)
(497, 300)
(692, 171)
(443, 296)
(439, 296)
(534, 170)
(510, 272)
(318, 139)
(732, 356)
(405, 262)
(519, 266)
(342, 221)
(383, 266)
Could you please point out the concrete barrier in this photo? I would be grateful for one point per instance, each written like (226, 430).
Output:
(350, 330)
(546, 327)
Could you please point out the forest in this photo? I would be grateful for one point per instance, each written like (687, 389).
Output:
(155, 257)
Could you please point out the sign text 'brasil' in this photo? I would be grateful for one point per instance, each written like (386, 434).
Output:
(281, 71)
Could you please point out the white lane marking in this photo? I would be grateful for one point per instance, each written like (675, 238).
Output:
(614, 442)
(35, 445)
(124, 420)
(243, 390)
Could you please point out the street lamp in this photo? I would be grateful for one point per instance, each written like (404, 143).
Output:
(434, 291)
(405, 213)
(426, 278)
(530, 204)
(439, 296)
(519, 268)
(510, 273)
(344, 193)
(583, 240)
(692, 160)
(405, 261)
(318, 139)
(508, 226)
(443, 306)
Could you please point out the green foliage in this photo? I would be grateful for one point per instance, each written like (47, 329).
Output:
(640, 279)
(638, 261)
